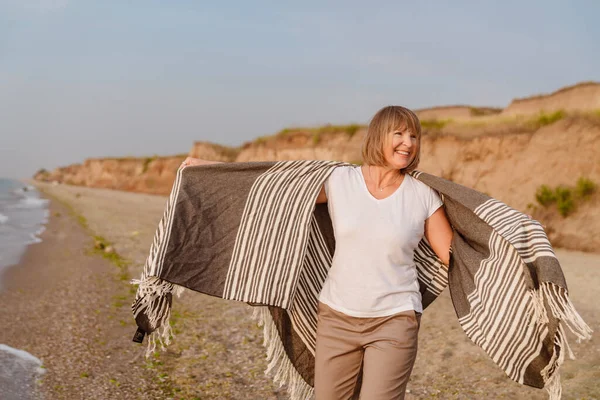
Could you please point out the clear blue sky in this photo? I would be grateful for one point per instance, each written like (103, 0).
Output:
(83, 79)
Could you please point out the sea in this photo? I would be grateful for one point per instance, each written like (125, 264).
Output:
(23, 215)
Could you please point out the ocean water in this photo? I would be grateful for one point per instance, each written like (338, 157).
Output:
(22, 217)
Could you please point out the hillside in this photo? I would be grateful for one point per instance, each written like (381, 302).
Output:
(506, 154)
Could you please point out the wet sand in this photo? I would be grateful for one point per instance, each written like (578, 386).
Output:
(217, 354)
(67, 307)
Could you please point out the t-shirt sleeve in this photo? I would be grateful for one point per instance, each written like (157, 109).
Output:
(330, 180)
(326, 184)
(433, 201)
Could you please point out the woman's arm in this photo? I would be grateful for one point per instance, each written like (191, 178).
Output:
(439, 234)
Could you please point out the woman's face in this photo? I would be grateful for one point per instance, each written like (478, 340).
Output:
(401, 148)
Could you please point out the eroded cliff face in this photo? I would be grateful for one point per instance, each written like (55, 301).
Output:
(147, 175)
(509, 167)
(577, 98)
(508, 160)
(304, 145)
(455, 112)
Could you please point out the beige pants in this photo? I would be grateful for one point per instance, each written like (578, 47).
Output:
(385, 348)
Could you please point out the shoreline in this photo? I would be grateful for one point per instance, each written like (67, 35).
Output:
(217, 352)
(59, 305)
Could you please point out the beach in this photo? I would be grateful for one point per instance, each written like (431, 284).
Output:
(69, 305)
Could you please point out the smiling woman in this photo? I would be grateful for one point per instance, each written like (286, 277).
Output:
(379, 214)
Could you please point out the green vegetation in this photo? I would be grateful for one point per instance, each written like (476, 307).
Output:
(564, 201)
(435, 123)
(82, 221)
(316, 138)
(476, 111)
(544, 119)
(545, 196)
(147, 162)
(106, 250)
(585, 187)
(261, 140)
(566, 198)
(350, 130)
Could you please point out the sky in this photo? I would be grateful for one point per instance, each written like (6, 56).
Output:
(87, 79)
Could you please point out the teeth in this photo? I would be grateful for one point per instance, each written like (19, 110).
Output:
(403, 152)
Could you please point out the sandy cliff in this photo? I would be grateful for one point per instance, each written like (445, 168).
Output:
(508, 158)
(582, 97)
(148, 175)
(455, 112)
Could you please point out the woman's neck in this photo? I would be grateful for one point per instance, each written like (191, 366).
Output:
(383, 176)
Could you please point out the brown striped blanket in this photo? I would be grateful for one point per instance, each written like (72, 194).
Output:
(252, 232)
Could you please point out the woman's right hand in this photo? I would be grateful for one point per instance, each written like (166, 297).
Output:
(190, 161)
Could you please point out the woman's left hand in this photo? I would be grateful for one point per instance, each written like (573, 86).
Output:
(190, 161)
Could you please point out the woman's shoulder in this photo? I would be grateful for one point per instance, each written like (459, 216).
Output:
(344, 170)
(420, 187)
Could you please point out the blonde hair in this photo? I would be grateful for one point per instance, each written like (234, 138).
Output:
(386, 120)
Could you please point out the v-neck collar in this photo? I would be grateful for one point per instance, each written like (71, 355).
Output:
(366, 188)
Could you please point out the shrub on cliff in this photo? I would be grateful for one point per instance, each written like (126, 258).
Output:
(565, 197)
(544, 119)
(545, 196)
(564, 201)
(585, 187)
(435, 123)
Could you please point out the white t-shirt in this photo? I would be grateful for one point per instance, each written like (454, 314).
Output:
(373, 273)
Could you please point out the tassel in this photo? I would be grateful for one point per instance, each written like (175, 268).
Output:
(564, 310)
(151, 300)
(279, 363)
(554, 388)
(537, 312)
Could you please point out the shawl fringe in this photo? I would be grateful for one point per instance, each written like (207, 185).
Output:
(563, 311)
(151, 301)
(280, 368)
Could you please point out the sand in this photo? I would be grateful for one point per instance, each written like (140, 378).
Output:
(70, 309)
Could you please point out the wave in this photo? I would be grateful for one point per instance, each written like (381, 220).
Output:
(33, 239)
(23, 355)
(24, 189)
(31, 202)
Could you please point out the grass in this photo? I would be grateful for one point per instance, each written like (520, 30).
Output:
(316, 132)
(316, 138)
(543, 119)
(565, 198)
(545, 195)
(350, 130)
(564, 201)
(585, 187)
(435, 123)
(147, 162)
(476, 112)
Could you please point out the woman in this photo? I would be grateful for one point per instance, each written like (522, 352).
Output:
(370, 305)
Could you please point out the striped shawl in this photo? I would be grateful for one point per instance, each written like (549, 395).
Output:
(251, 232)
